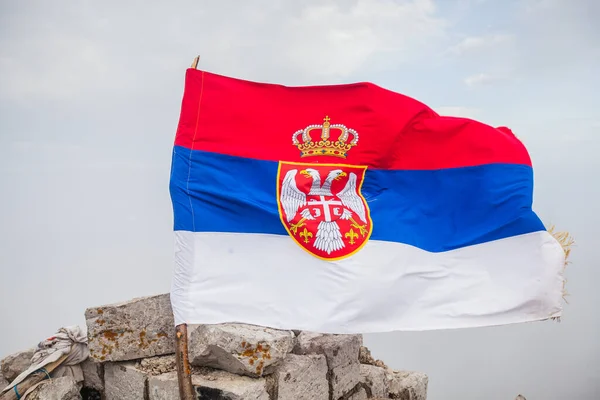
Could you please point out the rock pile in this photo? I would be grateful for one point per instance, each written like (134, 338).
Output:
(131, 357)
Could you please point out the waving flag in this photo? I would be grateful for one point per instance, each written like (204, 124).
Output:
(351, 208)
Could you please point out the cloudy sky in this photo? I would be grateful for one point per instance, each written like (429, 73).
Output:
(89, 100)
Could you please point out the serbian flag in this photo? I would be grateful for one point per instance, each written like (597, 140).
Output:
(351, 209)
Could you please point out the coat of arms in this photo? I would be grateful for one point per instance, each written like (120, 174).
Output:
(321, 205)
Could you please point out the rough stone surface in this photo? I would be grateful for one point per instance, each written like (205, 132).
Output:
(407, 385)
(375, 378)
(3, 382)
(341, 352)
(12, 365)
(238, 348)
(93, 375)
(226, 386)
(302, 378)
(135, 329)
(157, 365)
(360, 395)
(122, 381)
(64, 388)
(163, 387)
(210, 385)
(365, 357)
(343, 379)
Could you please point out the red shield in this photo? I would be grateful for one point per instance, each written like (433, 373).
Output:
(323, 209)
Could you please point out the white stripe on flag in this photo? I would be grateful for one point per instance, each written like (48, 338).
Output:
(268, 280)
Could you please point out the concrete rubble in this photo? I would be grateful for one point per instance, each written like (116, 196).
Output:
(240, 349)
(341, 353)
(124, 381)
(301, 378)
(65, 388)
(12, 365)
(407, 385)
(3, 382)
(93, 374)
(375, 379)
(132, 330)
(132, 348)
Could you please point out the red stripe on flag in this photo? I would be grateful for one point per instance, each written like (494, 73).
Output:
(257, 120)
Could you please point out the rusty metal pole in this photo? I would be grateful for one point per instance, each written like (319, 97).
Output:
(184, 372)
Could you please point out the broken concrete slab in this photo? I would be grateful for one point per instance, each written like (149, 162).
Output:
(407, 385)
(343, 378)
(211, 384)
(302, 378)
(64, 388)
(375, 379)
(239, 348)
(224, 385)
(122, 381)
(12, 365)
(163, 387)
(340, 350)
(135, 329)
(93, 375)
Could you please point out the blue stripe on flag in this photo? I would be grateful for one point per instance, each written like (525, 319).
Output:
(435, 210)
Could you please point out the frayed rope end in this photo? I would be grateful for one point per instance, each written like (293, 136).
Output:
(566, 241)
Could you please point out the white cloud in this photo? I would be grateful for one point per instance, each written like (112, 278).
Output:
(94, 48)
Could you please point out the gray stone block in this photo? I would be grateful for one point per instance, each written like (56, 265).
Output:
(122, 381)
(341, 353)
(12, 365)
(340, 350)
(238, 348)
(407, 385)
(209, 385)
(224, 385)
(302, 378)
(93, 375)
(375, 378)
(163, 387)
(64, 388)
(343, 379)
(139, 328)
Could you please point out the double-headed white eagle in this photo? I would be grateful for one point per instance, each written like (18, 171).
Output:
(329, 237)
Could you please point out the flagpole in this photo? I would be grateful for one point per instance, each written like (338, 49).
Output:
(195, 62)
(184, 372)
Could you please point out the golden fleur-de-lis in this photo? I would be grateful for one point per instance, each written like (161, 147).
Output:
(351, 235)
(300, 224)
(306, 234)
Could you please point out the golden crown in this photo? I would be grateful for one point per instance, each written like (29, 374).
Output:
(333, 141)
